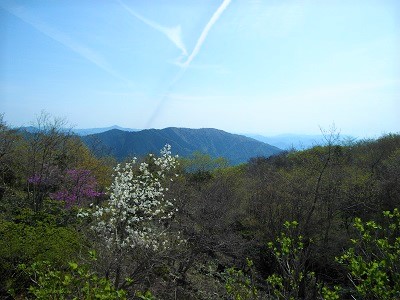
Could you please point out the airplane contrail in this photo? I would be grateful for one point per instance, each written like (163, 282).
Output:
(217, 14)
(205, 32)
(174, 34)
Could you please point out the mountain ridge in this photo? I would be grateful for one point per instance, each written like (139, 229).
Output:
(88, 131)
(184, 142)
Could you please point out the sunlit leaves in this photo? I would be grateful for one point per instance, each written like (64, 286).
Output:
(374, 260)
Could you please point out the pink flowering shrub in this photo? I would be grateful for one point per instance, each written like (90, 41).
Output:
(78, 186)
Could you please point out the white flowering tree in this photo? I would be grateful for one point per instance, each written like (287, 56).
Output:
(136, 214)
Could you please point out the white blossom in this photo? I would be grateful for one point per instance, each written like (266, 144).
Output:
(136, 201)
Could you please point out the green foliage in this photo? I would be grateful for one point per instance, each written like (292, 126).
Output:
(33, 237)
(328, 294)
(292, 282)
(290, 254)
(374, 260)
(145, 296)
(239, 285)
(74, 282)
(43, 241)
(224, 214)
(286, 245)
(200, 163)
(9, 149)
(373, 263)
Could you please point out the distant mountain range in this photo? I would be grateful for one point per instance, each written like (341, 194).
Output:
(88, 131)
(82, 131)
(294, 141)
(123, 142)
(282, 141)
(184, 141)
(290, 141)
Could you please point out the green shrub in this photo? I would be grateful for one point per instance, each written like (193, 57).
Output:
(31, 238)
(74, 282)
(374, 260)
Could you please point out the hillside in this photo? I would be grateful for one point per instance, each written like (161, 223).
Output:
(184, 141)
(333, 209)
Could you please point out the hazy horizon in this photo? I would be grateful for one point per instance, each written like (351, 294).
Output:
(253, 67)
(259, 136)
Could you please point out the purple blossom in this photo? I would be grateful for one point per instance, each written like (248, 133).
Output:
(35, 179)
(49, 175)
(79, 185)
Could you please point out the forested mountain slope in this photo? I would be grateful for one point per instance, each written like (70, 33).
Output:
(216, 143)
(322, 223)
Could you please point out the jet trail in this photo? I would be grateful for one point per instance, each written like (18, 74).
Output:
(217, 14)
(205, 32)
(174, 34)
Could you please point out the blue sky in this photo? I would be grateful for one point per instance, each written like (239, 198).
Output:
(254, 66)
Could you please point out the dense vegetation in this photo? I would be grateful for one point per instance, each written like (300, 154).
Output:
(316, 224)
